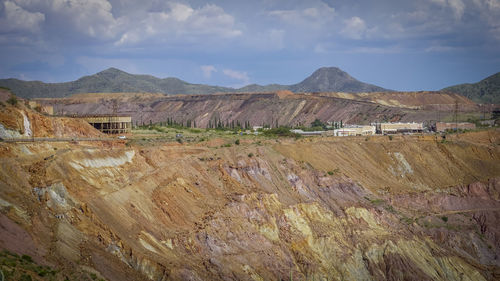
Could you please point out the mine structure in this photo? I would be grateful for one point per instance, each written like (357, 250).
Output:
(109, 123)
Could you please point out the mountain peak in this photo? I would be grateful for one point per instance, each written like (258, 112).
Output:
(112, 70)
(333, 79)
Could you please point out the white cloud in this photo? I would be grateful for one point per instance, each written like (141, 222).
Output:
(493, 4)
(489, 11)
(458, 8)
(18, 19)
(237, 75)
(90, 17)
(314, 16)
(354, 28)
(180, 20)
(207, 70)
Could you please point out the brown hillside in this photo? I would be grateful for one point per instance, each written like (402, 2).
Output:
(410, 208)
(282, 107)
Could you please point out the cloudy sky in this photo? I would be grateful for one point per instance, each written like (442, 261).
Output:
(401, 45)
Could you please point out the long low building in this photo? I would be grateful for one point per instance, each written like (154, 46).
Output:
(309, 133)
(442, 126)
(394, 128)
(109, 124)
(355, 130)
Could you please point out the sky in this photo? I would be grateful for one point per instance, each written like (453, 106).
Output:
(395, 44)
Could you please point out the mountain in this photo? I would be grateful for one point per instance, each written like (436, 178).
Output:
(112, 80)
(484, 91)
(333, 79)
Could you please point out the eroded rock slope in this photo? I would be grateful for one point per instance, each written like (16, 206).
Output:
(412, 208)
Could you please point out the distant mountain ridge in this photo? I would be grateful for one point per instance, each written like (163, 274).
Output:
(112, 80)
(484, 91)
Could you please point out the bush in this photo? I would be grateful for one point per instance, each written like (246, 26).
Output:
(390, 137)
(444, 218)
(237, 142)
(12, 100)
(250, 154)
(25, 277)
(27, 258)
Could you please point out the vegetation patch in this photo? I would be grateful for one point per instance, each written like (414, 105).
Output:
(280, 132)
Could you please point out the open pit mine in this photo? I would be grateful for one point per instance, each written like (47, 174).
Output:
(76, 204)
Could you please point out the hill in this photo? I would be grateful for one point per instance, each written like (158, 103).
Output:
(333, 79)
(112, 80)
(484, 91)
(282, 107)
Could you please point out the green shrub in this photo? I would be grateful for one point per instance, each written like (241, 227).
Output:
(27, 258)
(237, 142)
(334, 171)
(42, 272)
(250, 154)
(25, 277)
(444, 218)
(13, 101)
(390, 137)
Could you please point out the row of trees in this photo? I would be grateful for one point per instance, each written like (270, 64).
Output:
(218, 124)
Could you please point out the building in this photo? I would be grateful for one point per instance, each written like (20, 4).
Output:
(308, 133)
(489, 123)
(355, 130)
(110, 124)
(395, 128)
(256, 128)
(442, 126)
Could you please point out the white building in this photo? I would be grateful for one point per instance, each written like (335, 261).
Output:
(355, 130)
(394, 128)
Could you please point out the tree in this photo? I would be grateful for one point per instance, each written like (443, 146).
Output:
(317, 123)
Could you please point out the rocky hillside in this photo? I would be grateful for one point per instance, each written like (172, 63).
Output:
(282, 107)
(412, 208)
(114, 80)
(19, 121)
(484, 91)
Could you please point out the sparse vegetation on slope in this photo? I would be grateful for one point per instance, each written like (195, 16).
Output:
(484, 91)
